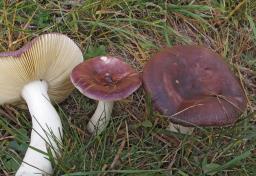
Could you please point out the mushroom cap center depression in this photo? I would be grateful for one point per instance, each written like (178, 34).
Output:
(108, 79)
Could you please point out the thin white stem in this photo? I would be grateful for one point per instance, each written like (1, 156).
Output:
(101, 117)
(46, 133)
(179, 128)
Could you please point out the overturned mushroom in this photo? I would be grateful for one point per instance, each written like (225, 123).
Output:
(194, 87)
(39, 72)
(105, 79)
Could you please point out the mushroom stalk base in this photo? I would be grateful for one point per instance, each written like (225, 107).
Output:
(101, 117)
(46, 133)
(179, 128)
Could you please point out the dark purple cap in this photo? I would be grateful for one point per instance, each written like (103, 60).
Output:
(105, 78)
(193, 86)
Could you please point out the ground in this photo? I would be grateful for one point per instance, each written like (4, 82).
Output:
(136, 142)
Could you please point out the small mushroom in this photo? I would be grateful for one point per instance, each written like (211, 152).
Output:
(193, 87)
(36, 73)
(106, 79)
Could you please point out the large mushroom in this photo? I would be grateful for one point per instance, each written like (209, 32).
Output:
(193, 86)
(38, 73)
(106, 79)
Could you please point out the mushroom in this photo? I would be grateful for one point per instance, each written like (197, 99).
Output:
(193, 87)
(106, 79)
(38, 73)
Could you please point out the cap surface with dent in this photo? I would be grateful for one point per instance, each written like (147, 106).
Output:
(193, 86)
(105, 78)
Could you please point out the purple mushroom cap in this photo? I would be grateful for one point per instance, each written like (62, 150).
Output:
(192, 85)
(105, 78)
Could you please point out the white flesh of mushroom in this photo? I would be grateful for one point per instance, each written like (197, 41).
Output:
(179, 128)
(46, 133)
(101, 117)
(50, 57)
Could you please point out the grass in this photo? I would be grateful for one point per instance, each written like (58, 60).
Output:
(135, 142)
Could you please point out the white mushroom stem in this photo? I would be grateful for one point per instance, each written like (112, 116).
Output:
(101, 117)
(179, 128)
(46, 133)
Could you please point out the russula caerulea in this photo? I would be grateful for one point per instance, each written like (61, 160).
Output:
(105, 79)
(38, 73)
(193, 86)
